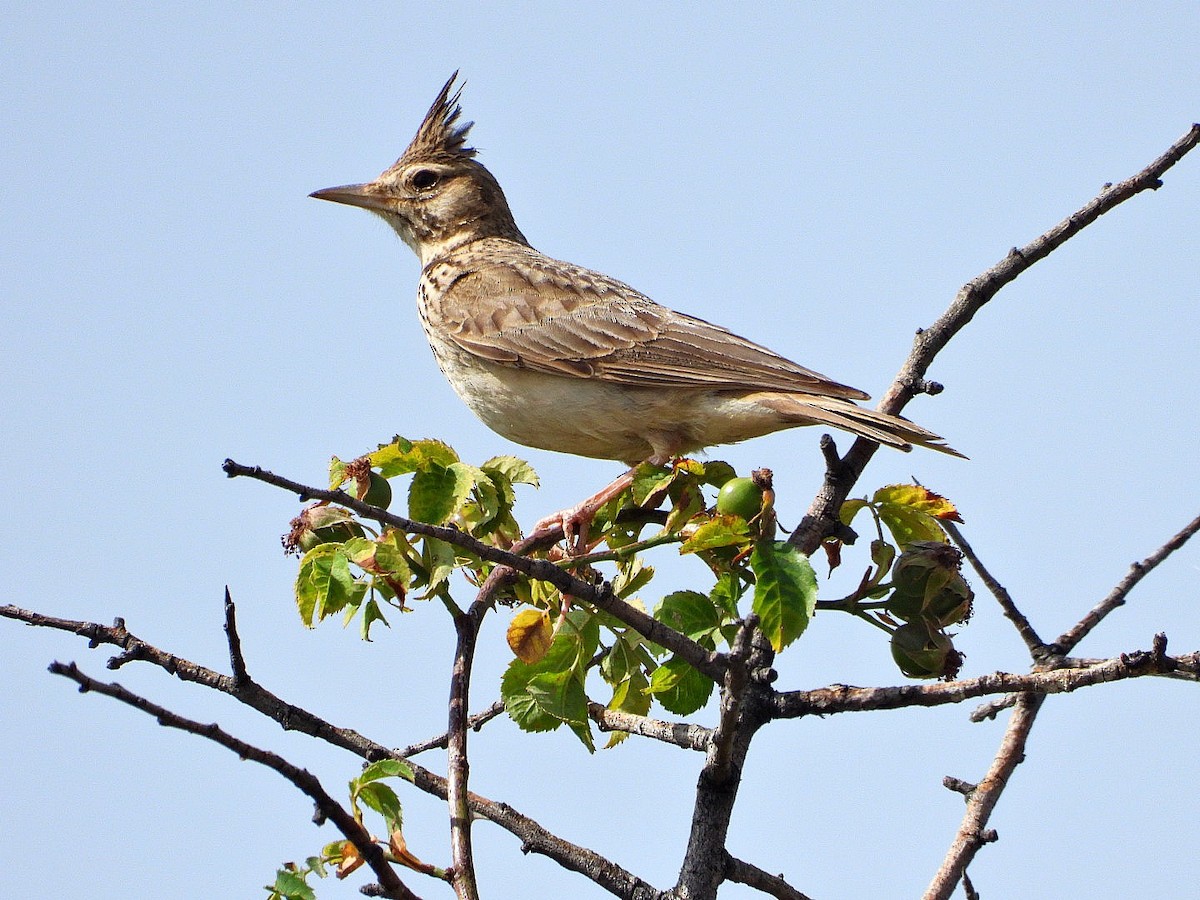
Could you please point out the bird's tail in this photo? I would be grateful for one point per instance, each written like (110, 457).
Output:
(894, 431)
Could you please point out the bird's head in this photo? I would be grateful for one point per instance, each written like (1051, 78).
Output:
(436, 196)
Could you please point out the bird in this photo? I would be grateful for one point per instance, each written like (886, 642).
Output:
(559, 357)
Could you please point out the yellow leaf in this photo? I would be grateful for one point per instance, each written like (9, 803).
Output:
(920, 498)
(530, 634)
(350, 860)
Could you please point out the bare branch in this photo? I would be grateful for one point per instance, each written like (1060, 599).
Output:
(474, 722)
(236, 660)
(973, 833)
(1037, 647)
(466, 625)
(327, 807)
(719, 762)
(534, 837)
(752, 876)
(710, 662)
(1069, 639)
(845, 698)
(681, 734)
(822, 519)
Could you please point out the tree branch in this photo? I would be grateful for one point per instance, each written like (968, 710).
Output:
(1037, 647)
(752, 876)
(710, 662)
(534, 837)
(845, 698)
(972, 833)
(681, 734)
(1069, 639)
(327, 807)
(841, 475)
(474, 722)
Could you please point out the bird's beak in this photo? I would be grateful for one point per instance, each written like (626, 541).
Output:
(368, 196)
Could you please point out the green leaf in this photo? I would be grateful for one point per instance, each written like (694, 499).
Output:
(632, 575)
(850, 509)
(688, 612)
(337, 473)
(437, 492)
(385, 768)
(324, 584)
(438, 558)
(785, 591)
(401, 457)
(909, 524)
(680, 688)
(291, 886)
(726, 593)
(514, 469)
(371, 614)
(719, 531)
(381, 798)
(649, 480)
(717, 472)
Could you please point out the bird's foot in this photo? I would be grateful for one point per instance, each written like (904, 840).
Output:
(576, 521)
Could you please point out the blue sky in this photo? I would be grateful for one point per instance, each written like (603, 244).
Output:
(821, 179)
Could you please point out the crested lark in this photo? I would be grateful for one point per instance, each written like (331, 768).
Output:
(556, 356)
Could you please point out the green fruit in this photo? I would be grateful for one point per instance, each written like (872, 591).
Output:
(378, 492)
(924, 652)
(740, 497)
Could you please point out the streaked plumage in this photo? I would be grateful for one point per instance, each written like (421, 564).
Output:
(556, 356)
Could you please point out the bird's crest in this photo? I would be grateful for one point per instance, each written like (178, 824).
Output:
(441, 137)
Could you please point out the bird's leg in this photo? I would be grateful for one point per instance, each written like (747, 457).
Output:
(576, 520)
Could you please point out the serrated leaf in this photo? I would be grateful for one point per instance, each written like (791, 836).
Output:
(385, 768)
(381, 798)
(530, 634)
(291, 886)
(785, 591)
(918, 497)
(680, 688)
(513, 468)
(688, 612)
(649, 480)
(437, 492)
(719, 531)
(438, 558)
(632, 575)
(324, 584)
(726, 593)
(560, 694)
(402, 457)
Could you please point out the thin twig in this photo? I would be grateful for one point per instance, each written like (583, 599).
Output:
(1069, 639)
(840, 477)
(236, 660)
(534, 837)
(681, 734)
(973, 833)
(1037, 647)
(327, 807)
(475, 722)
(752, 876)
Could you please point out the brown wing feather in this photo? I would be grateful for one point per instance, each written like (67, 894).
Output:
(554, 317)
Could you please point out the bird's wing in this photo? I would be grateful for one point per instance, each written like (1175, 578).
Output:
(566, 320)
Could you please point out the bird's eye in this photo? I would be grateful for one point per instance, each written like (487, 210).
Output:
(424, 179)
